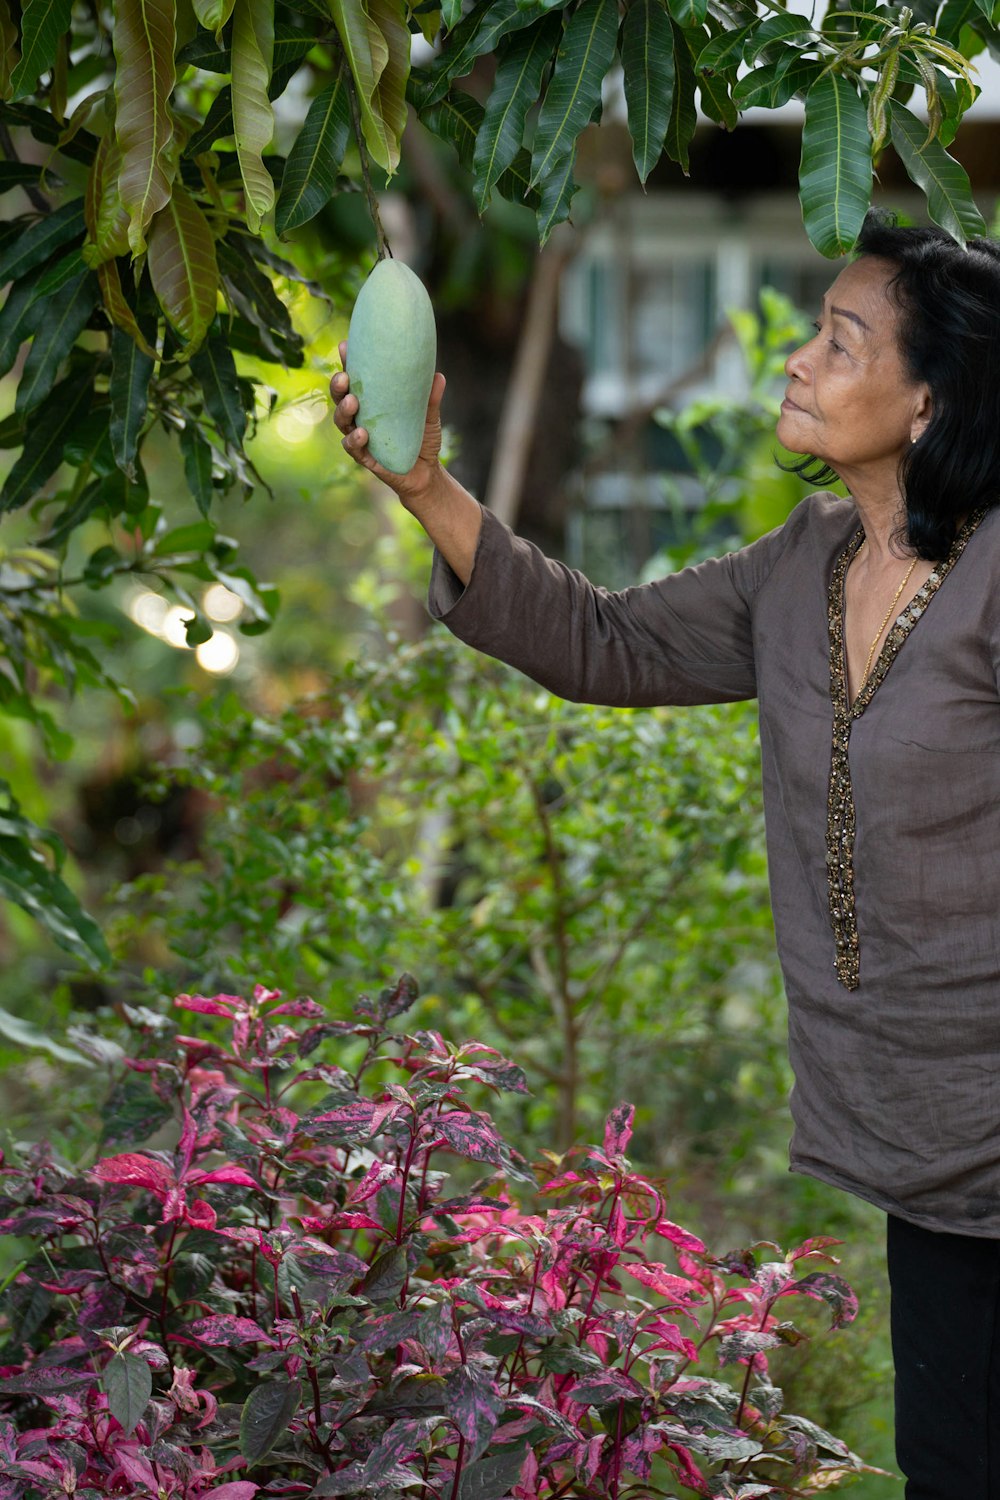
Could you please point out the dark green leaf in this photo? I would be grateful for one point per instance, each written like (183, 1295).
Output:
(555, 195)
(197, 466)
(290, 47)
(19, 317)
(942, 179)
(24, 1033)
(516, 87)
(28, 879)
(835, 173)
(647, 54)
(46, 436)
(63, 319)
(683, 110)
(37, 241)
(313, 162)
(583, 60)
(725, 50)
(762, 84)
(215, 370)
(58, 272)
(131, 370)
(689, 12)
(266, 1413)
(19, 173)
(386, 1276)
(492, 1477)
(716, 100)
(43, 22)
(778, 28)
(11, 431)
(476, 34)
(128, 1383)
(45, 127)
(197, 630)
(81, 509)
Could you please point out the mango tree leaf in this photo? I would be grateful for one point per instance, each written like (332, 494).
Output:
(213, 14)
(43, 22)
(34, 882)
(118, 309)
(390, 91)
(647, 54)
(683, 111)
(574, 90)
(758, 86)
(267, 1411)
(725, 51)
(778, 28)
(451, 13)
(105, 214)
(311, 168)
(717, 101)
(835, 173)
(9, 54)
(938, 175)
(555, 195)
(214, 369)
(46, 435)
(63, 319)
(689, 12)
(128, 393)
(367, 55)
(516, 88)
(19, 316)
(128, 1384)
(55, 275)
(33, 243)
(19, 173)
(144, 42)
(197, 454)
(253, 117)
(458, 118)
(183, 268)
(474, 35)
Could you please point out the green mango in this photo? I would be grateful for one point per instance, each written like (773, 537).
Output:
(391, 354)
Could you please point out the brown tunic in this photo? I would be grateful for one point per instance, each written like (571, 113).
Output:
(895, 1051)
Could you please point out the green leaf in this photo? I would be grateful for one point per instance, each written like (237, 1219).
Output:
(683, 110)
(144, 42)
(43, 22)
(267, 1411)
(779, 28)
(48, 430)
(724, 51)
(118, 309)
(18, 317)
(945, 183)
(253, 117)
(64, 316)
(311, 167)
(214, 369)
(213, 14)
(476, 34)
(492, 1477)
(689, 12)
(717, 101)
(105, 214)
(197, 465)
(290, 46)
(58, 272)
(555, 195)
(33, 882)
(131, 370)
(367, 55)
(19, 173)
(458, 118)
(24, 1034)
(647, 54)
(574, 91)
(835, 173)
(183, 268)
(386, 1275)
(128, 1384)
(516, 88)
(34, 243)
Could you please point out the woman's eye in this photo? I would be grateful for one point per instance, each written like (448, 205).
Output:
(833, 342)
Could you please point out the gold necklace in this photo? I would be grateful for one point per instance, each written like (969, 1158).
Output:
(887, 618)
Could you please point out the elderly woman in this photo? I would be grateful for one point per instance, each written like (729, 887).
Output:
(869, 631)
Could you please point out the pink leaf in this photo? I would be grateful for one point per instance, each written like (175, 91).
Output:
(219, 1005)
(376, 1177)
(138, 1170)
(234, 1489)
(669, 1336)
(227, 1331)
(618, 1129)
(232, 1174)
(676, 1289)
(683, 1238)
(263, 996)
(618, 1225)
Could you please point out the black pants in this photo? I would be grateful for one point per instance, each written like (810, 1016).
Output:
(946, 1347)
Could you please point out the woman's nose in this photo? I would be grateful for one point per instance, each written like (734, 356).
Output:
(795, 364)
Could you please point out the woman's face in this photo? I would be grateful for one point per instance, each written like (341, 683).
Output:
(849, 399)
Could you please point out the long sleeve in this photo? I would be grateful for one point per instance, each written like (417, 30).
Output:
(686, 638)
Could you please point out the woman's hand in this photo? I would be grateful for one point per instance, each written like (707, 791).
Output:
(426, 472)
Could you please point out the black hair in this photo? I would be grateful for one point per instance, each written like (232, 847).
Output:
(948, 297)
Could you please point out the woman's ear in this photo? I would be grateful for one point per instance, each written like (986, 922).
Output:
(923, 411)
